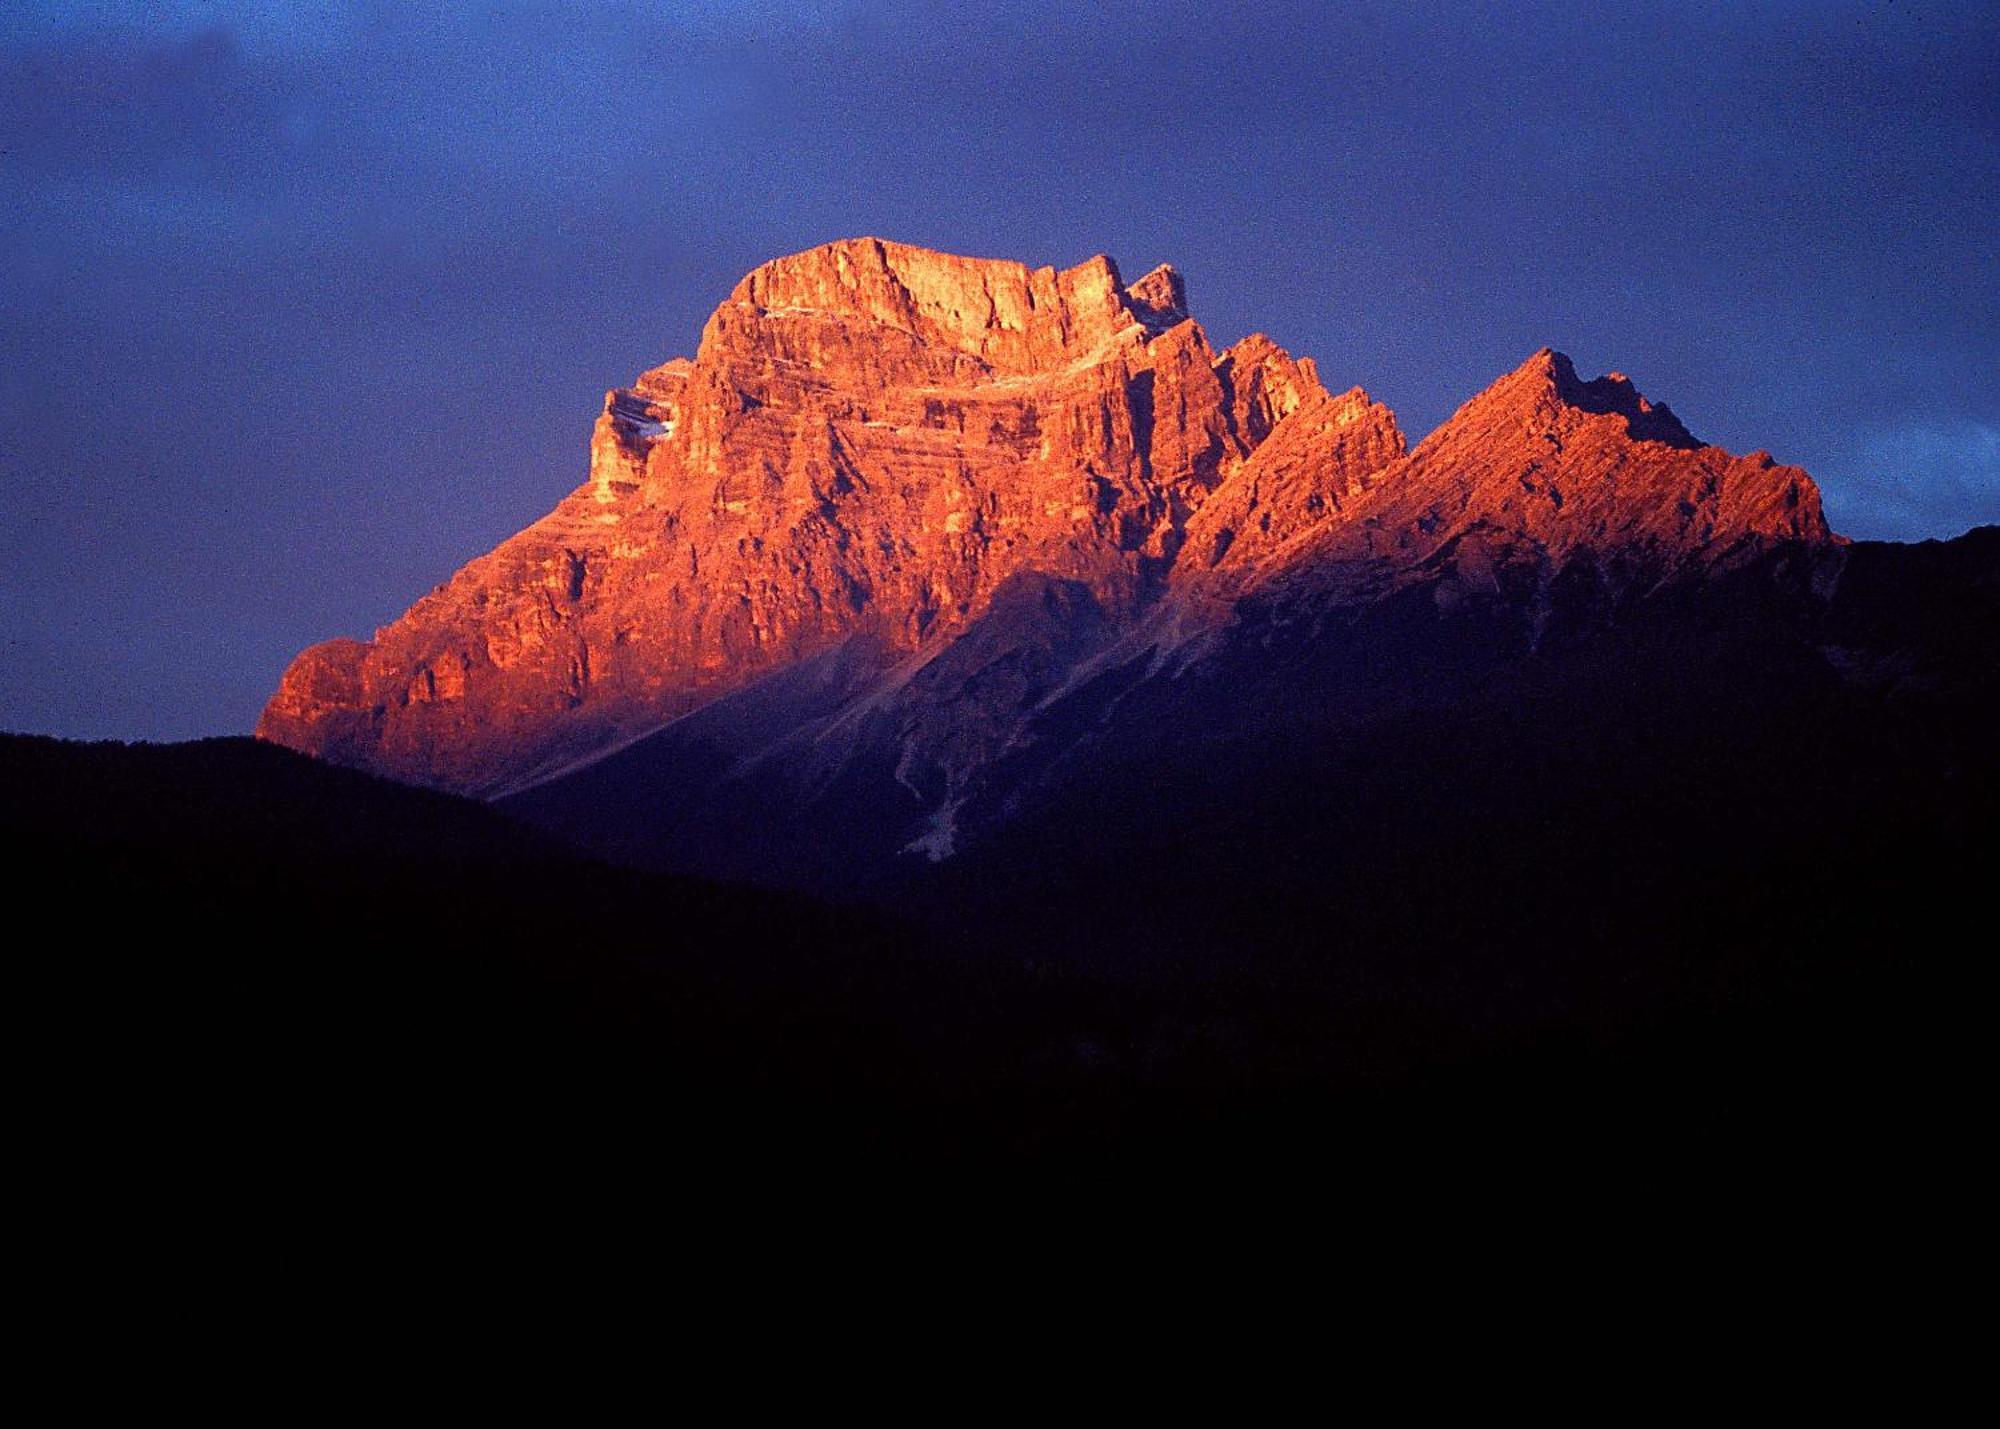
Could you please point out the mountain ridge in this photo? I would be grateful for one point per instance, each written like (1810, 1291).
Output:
(873, 439)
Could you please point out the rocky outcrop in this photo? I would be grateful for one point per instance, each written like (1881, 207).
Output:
(1323, 453)
(873, 442)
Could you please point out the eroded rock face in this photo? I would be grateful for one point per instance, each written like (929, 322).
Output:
(873, 440)
(870, 439)
(1546, 472)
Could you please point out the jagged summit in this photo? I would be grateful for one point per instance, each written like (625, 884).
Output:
(869, 440)
(1014, 318)
(1543, 469)
(1614, 394)
(1546, 387)
(873, 439)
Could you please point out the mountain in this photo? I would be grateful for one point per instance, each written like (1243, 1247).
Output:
(870, 440)
(1184, 765)
(915, 542)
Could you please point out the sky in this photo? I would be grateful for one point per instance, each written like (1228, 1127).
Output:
(302, 306)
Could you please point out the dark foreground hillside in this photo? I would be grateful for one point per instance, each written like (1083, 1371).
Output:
(248, 952)
(244, 962)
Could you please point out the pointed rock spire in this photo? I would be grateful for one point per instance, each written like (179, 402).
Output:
(1159, 298)
(1546, 392)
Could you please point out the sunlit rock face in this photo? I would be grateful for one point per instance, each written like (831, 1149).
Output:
(872, 440)
(1545, 475)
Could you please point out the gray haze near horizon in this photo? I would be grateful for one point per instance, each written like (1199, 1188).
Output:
(305, 305)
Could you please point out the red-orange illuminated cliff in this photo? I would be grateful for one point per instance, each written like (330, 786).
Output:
(872, 439)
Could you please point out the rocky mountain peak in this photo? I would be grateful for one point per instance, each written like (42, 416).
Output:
(1010, 317)
(1543, 471)
(871, 440)
(1546, 393)
(874, 441)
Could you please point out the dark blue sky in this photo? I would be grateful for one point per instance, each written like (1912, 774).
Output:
(304, 305)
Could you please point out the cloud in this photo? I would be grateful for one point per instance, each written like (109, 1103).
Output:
(1923, 478)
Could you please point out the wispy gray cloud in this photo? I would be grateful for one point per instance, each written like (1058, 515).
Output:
(1922, 478)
